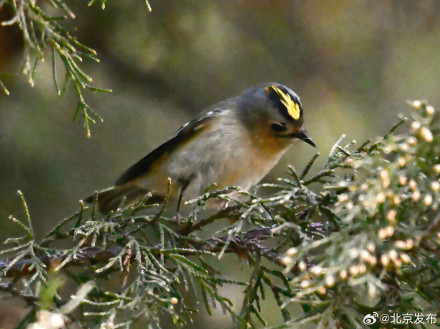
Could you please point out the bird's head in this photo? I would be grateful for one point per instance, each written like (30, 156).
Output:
(273, 111)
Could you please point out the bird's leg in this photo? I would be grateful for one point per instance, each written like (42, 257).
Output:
(183, 184)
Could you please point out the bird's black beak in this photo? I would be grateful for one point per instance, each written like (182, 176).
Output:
(302, 135)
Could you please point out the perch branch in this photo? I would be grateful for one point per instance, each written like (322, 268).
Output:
(240, 244)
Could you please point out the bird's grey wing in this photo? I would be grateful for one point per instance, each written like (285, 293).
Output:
(184, 134)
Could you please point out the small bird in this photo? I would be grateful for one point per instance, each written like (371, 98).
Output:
(234, 142)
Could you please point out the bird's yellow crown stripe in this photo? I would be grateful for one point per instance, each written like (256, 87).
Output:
(291, 106)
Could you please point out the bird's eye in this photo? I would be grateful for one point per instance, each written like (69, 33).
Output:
(279, 127)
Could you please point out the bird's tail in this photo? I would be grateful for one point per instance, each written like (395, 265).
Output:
(111, 198)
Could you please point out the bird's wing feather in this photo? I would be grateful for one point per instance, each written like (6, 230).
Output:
(184, 134)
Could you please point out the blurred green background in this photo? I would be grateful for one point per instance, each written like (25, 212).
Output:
(354, 64)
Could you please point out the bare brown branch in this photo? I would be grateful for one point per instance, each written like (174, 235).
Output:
(240, 244)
